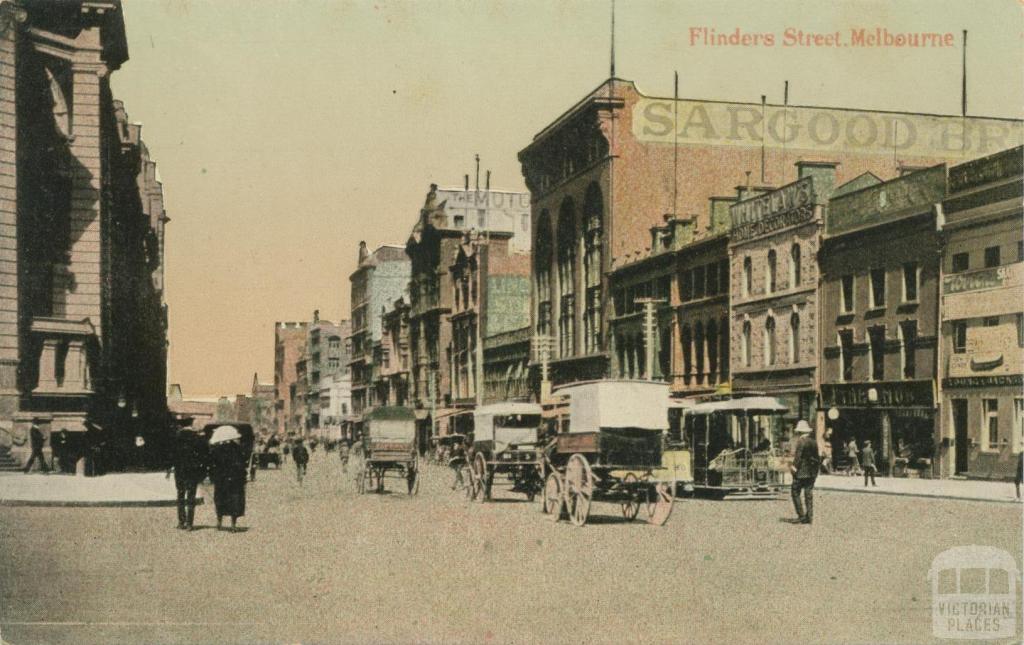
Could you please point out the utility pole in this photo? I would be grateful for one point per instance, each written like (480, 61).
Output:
(432, 385)
(478, 339)
(650, 328)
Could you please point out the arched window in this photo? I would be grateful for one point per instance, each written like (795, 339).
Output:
(723, 350)
(593, 215)
(746, 343)
(542, 272)
(712, 335)
(794, 338)
(748, 277)
(769, 341)
(794, 266)
(698, 342)
(772, 271)
(567, 240)
(686, 338)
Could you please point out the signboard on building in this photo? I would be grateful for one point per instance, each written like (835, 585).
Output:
(886, 394)
(1004, 165)
(790, 205)
(909, 195)
(1005, 380)
(706, 123)
(996, 291)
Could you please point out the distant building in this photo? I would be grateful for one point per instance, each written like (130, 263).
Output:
(982, 339)
(494, 211)
(289, 348)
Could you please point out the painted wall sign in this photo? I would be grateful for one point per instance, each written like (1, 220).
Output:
(799, 215)
(916, 192)
(891, 394)
(702, 123)
(788, 198)
(983, 171)
(1008, 380)
(974, 280)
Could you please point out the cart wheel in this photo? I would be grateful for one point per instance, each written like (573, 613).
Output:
(481, 493)
(631, 506)
(579, 489)
(660, 498)
(471, 484)
(553, 502)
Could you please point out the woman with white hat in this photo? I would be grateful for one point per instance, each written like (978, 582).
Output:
(228, 473)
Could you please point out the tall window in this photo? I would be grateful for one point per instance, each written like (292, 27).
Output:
(877, 288)
(712, 338)
(746, 344)
(876, 340)
(794, 338)
(846, 355)
(990, 432)
(961, 262)
(687, 339)
(723, 349)
(1018, 425)
(992, 257)
(593, 213)
(712, 271)
(772, 273)
(847, 294)
(542, 271)
(908, 339)
(794, 266)
(698, 342)
(769, 341)
(698, 282)
(748, 277)
(686, 285)
(567, 278)
(911, 278)
(959, 336)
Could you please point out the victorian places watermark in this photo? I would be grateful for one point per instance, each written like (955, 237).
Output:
(974, 593)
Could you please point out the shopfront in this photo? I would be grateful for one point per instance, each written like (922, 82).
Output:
(899, 418)
(985, 422)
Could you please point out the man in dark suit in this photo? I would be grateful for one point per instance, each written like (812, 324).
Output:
(38, 440)
(805, 471)
(190, 465)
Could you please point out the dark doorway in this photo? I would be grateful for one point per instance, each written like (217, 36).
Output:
(961, 443)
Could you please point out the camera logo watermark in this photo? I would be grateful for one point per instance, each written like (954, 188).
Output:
(974, 593)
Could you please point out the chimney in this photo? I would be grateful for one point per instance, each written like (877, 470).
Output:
(363, 252)
(487, 184)
(823, 174)
(175, 393)
(467, 182)
(316, 315)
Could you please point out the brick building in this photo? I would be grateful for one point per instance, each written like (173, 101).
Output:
(82, 313)
(603, 173)
(982, 318)
(773, 259)
(289, 347)
(498, 211)
(879, 265)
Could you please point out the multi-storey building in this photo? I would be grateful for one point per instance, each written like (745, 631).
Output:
(82, 315)
(392, 382)
(773, 250)
(380, 278)
(982, 318)
(289, 348)
(604, 172)
(507, 366)
(261, 397)
(879, 265)
(324, 354)
(497, 211)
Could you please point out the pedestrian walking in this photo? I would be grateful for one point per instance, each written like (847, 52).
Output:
(1020, 473)
(805, 471)
(287, 448)
(37, 441)
(301, 457)
(190, 464)
(343, 453)
(867, 462)
(826, 452)
(227, 471)
(851, 454)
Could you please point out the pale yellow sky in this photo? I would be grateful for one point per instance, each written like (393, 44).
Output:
(287, 131)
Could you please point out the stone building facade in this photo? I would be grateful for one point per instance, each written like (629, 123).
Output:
(82, 313)
(601, 175)
(983, 318)
(879, 266)
(289, 348)
(379, 279)
(773, 259)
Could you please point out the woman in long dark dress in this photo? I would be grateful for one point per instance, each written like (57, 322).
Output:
(228, 473)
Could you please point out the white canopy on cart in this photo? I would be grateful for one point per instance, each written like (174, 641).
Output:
(485, 427)
(751, 404)
(617, 404)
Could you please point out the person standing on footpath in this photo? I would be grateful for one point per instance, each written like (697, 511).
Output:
(38, 440)
(228, 473)
(190, 465)
(301, 457)
(867, 462)
(805, 471)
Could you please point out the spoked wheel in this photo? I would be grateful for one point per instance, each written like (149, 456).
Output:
(660, 499)
(553, 500)
(631, 505)
(482, 493)
(472, 484)
(579, 489)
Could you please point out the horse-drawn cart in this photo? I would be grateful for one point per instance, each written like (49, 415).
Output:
(611, 452)
(390, 450)
(505, 442)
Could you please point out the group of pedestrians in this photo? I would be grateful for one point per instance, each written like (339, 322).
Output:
(223, 459)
